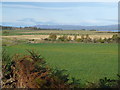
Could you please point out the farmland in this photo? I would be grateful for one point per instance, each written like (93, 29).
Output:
(85, 61)
(88, 62)
(59, 32)
(60, 45)
(39, 35)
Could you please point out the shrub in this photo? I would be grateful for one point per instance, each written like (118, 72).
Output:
(107, 83)
(78, 39)
(47, 39)
(82, 38)
(52, 36)
(6, 59)
(75, 37)
(75, 83)
(87, 36)
(87, 39)
(116, 38)
(94, 40)
(31, 71)
(105, 40)
(63, 38)
(5, 33)
(101, 40)
(69, 38)
(6, 65)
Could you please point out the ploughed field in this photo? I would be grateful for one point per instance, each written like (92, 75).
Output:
(88, 62)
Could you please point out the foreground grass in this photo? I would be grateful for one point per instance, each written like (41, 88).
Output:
(88, 62)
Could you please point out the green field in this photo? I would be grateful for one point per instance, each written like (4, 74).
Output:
(58, 32)
(88, 62)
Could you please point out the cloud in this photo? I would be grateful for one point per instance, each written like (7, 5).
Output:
(75, 14)
(28, 20)
(58, 6)
(110, 20)
(98, 22)
(32, 20)
(34, 7)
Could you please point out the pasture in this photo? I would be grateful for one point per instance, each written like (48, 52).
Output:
(88, 62)
(58, 32)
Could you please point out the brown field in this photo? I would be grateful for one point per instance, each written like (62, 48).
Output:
(42, 34)
(69, 32)
(40, 37)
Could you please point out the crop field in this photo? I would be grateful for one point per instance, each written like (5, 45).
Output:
(88, 62)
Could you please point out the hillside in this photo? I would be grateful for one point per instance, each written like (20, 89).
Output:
(78, 27)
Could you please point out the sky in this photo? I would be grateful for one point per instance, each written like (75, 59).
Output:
(60, 0)
(59, 13)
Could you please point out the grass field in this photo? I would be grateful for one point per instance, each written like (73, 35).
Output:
(58, 32)
(88, 62)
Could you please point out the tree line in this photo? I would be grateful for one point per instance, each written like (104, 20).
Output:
(24, 28)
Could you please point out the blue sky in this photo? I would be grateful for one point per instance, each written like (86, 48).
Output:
(65, 13)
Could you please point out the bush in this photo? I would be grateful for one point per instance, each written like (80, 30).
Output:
(101, 40)
(107, 83)
(6, 59)
(85, 38)
(75, 83)
(116, 38)
(75, 37)
(82, 37)
(6, 65)
(52, 36)
(78, 40)
(63, 38)
(31, 71)
(69, 38)
(5, 33)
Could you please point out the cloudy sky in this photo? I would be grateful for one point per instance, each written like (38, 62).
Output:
(54, 13)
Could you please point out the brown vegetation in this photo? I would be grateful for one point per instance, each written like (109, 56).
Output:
(31, 71)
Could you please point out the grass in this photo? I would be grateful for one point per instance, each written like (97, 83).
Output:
(88, 62)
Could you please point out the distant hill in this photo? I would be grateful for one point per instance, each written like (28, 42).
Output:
(78, 27)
